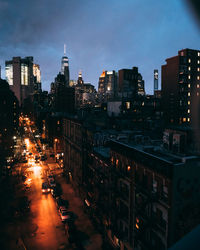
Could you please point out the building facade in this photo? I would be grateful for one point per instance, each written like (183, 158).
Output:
(130, 82)
(154, 207)
(19, 75)
(107, 86)
(181, 88)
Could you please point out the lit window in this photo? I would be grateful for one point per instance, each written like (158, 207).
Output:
(188, 119)
(198, 62)
(189, 76)
(184, 119)
(198, 69)
(197, 93)
(128, 105)
(189, 68)
(188, 93)
(188, 85)
(198, 53)
(137, 223)
(188, 111)
(129, 168)
(197, 85)
(58, 122)
(188, 102)
(198, 77)
(117, 161)
(189, 60)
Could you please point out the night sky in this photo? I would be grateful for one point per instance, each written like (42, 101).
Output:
(99, 35)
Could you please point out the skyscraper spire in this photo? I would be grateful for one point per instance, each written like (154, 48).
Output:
(64, 49)
(65, 66)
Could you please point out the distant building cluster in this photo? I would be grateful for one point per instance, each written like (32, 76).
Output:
(133, 158)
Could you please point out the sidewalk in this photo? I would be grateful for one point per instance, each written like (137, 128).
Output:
(82, 223)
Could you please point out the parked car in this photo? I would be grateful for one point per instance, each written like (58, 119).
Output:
(55, 192)
(64, 215)
(24, 204)
(61, 202)
(52, 183)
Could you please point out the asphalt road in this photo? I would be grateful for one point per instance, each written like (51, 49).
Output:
(43, 228)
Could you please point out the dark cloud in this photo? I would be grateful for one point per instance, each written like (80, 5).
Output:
(106, 34)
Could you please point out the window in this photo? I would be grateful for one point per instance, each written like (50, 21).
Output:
(189, 68)
(155, 184)
(188, 111)
(184, 119)
(198, 69)
(188, 85)
(189, 76)
(128, 105)
(188, 93)
(188, 102)
(197, 85)
(198, 77)
(197, 93)
(198, 53)
(189, 60)
(198, 61)
(188, 119)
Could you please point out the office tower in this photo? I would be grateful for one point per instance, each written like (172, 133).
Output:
(19, 75)
(130, 82)
(108, 83)
(155, 80)
(181, 88)
(65, 67)
(37, 77)
(80, 78)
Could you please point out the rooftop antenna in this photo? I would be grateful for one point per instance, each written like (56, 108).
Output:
(64, 49)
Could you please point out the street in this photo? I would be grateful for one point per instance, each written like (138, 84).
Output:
(41, 227)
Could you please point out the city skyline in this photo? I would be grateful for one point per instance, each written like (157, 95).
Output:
(93, 32)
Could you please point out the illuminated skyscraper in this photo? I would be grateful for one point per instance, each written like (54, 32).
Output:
(65, 67)
(37, 77)
(155, 80)
(19, 75)
(108, 83)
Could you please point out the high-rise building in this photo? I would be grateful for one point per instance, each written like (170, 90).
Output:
(130, 82)
(155, 80)
(37, 77)
(108, 83)
(80, 78)
(19, 75)
(181, 88)
(65, 67)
